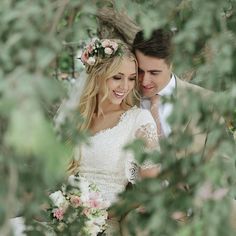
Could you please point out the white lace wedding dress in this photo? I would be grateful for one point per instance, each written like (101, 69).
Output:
(105, 162)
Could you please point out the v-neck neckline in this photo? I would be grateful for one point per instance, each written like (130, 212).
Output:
(121, 118)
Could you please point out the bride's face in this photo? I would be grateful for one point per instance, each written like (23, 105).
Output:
(122, 83)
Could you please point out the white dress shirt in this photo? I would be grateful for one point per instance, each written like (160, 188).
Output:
(164, 109)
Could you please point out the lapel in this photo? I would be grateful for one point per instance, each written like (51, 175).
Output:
(181, 90)
(199, 138)
(181, 87)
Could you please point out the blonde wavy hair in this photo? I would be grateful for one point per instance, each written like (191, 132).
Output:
(98, 74)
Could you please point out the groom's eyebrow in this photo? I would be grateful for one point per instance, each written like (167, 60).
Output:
(124, 74)
(141, 70)
(154, 70)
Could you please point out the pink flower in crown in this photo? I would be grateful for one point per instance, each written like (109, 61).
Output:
(58, 213)
(114, 45)
(90, 47)
(93, 50)
(85, 56)
(75, 201)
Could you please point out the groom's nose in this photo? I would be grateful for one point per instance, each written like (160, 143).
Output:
(145, 79)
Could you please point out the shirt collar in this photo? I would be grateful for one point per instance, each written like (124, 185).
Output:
(168, 89)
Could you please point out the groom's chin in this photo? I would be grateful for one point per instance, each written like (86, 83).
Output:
(147, 94)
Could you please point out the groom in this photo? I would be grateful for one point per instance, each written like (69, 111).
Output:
(157, 81)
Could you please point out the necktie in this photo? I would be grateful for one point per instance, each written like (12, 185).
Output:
(155, 102)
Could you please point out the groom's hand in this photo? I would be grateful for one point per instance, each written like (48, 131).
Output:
(151, 172)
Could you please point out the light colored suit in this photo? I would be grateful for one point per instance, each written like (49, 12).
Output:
(201, 135)
(186, 118)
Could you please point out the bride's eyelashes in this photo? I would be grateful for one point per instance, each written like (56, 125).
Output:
(119, 78)
(115, 77)
(132, 78)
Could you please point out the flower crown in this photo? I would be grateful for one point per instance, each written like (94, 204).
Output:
(97, 48)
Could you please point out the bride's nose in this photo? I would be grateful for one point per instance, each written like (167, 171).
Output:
(124, 84)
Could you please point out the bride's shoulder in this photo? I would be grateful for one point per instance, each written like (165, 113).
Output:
(141, 118)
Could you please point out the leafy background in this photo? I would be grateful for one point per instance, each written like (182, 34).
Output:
(39, 40)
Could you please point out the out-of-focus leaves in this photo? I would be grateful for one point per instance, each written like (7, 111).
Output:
(33, 36)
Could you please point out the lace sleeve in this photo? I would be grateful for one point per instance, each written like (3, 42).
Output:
(148, 132)
(145, 129)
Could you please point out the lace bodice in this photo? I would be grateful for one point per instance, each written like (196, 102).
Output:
(105, 162)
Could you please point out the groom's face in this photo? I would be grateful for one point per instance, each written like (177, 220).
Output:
(154, 74)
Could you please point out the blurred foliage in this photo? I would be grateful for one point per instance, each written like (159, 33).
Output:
(33, 159)
(38, 40)
(198, 189)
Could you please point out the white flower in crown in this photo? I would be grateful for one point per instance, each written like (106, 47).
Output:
(108, 51)
(94, 39)
(91, 61)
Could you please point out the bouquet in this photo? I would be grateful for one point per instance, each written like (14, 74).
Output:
(78, 205)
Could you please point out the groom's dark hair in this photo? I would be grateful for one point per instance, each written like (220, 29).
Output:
(157, 45)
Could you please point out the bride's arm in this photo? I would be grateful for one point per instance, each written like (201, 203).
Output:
(148, 133)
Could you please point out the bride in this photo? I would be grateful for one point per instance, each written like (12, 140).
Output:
(107, 107)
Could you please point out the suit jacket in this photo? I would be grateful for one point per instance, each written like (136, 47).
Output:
(191, 125)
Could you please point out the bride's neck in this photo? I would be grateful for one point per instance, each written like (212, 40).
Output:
(107, 107)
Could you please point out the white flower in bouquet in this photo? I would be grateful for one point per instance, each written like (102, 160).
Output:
(82, 200)
(58, 199)
(79, 182)
(84, 186)
(73, 181)
(100, 220)
(91, 228)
